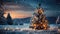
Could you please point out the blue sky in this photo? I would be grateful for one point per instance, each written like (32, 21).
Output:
(51, 7)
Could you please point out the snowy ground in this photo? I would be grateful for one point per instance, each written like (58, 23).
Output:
(29, 32)
(24, 29)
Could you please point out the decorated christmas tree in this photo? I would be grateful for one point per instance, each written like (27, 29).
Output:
(39, 21)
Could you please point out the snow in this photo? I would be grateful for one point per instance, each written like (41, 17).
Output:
(30, 32)
(24, 29)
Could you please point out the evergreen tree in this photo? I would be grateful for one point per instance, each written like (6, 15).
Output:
(58, 20)
(39, 20)
(9, 19)
(2, 18)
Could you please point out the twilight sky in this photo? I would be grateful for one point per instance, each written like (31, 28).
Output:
(25, 8)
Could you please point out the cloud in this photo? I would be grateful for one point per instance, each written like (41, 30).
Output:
(52, 7)
(23, 7)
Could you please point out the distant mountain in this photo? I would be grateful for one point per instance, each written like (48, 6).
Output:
(21, 20)
(16, 21)
(52, 20)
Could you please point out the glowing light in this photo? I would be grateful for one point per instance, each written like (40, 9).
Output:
(40, 23)
(20, 14)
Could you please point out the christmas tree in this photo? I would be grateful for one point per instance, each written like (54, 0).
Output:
(39, 21)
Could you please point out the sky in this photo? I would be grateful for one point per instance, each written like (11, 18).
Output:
(25, 8)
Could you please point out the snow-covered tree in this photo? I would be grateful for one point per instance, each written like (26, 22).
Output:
(39, 20)
(9, 19)
(58, 20)
(2, 18)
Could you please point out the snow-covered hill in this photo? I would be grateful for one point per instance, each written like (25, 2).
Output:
(21, 20)
(17, 21)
